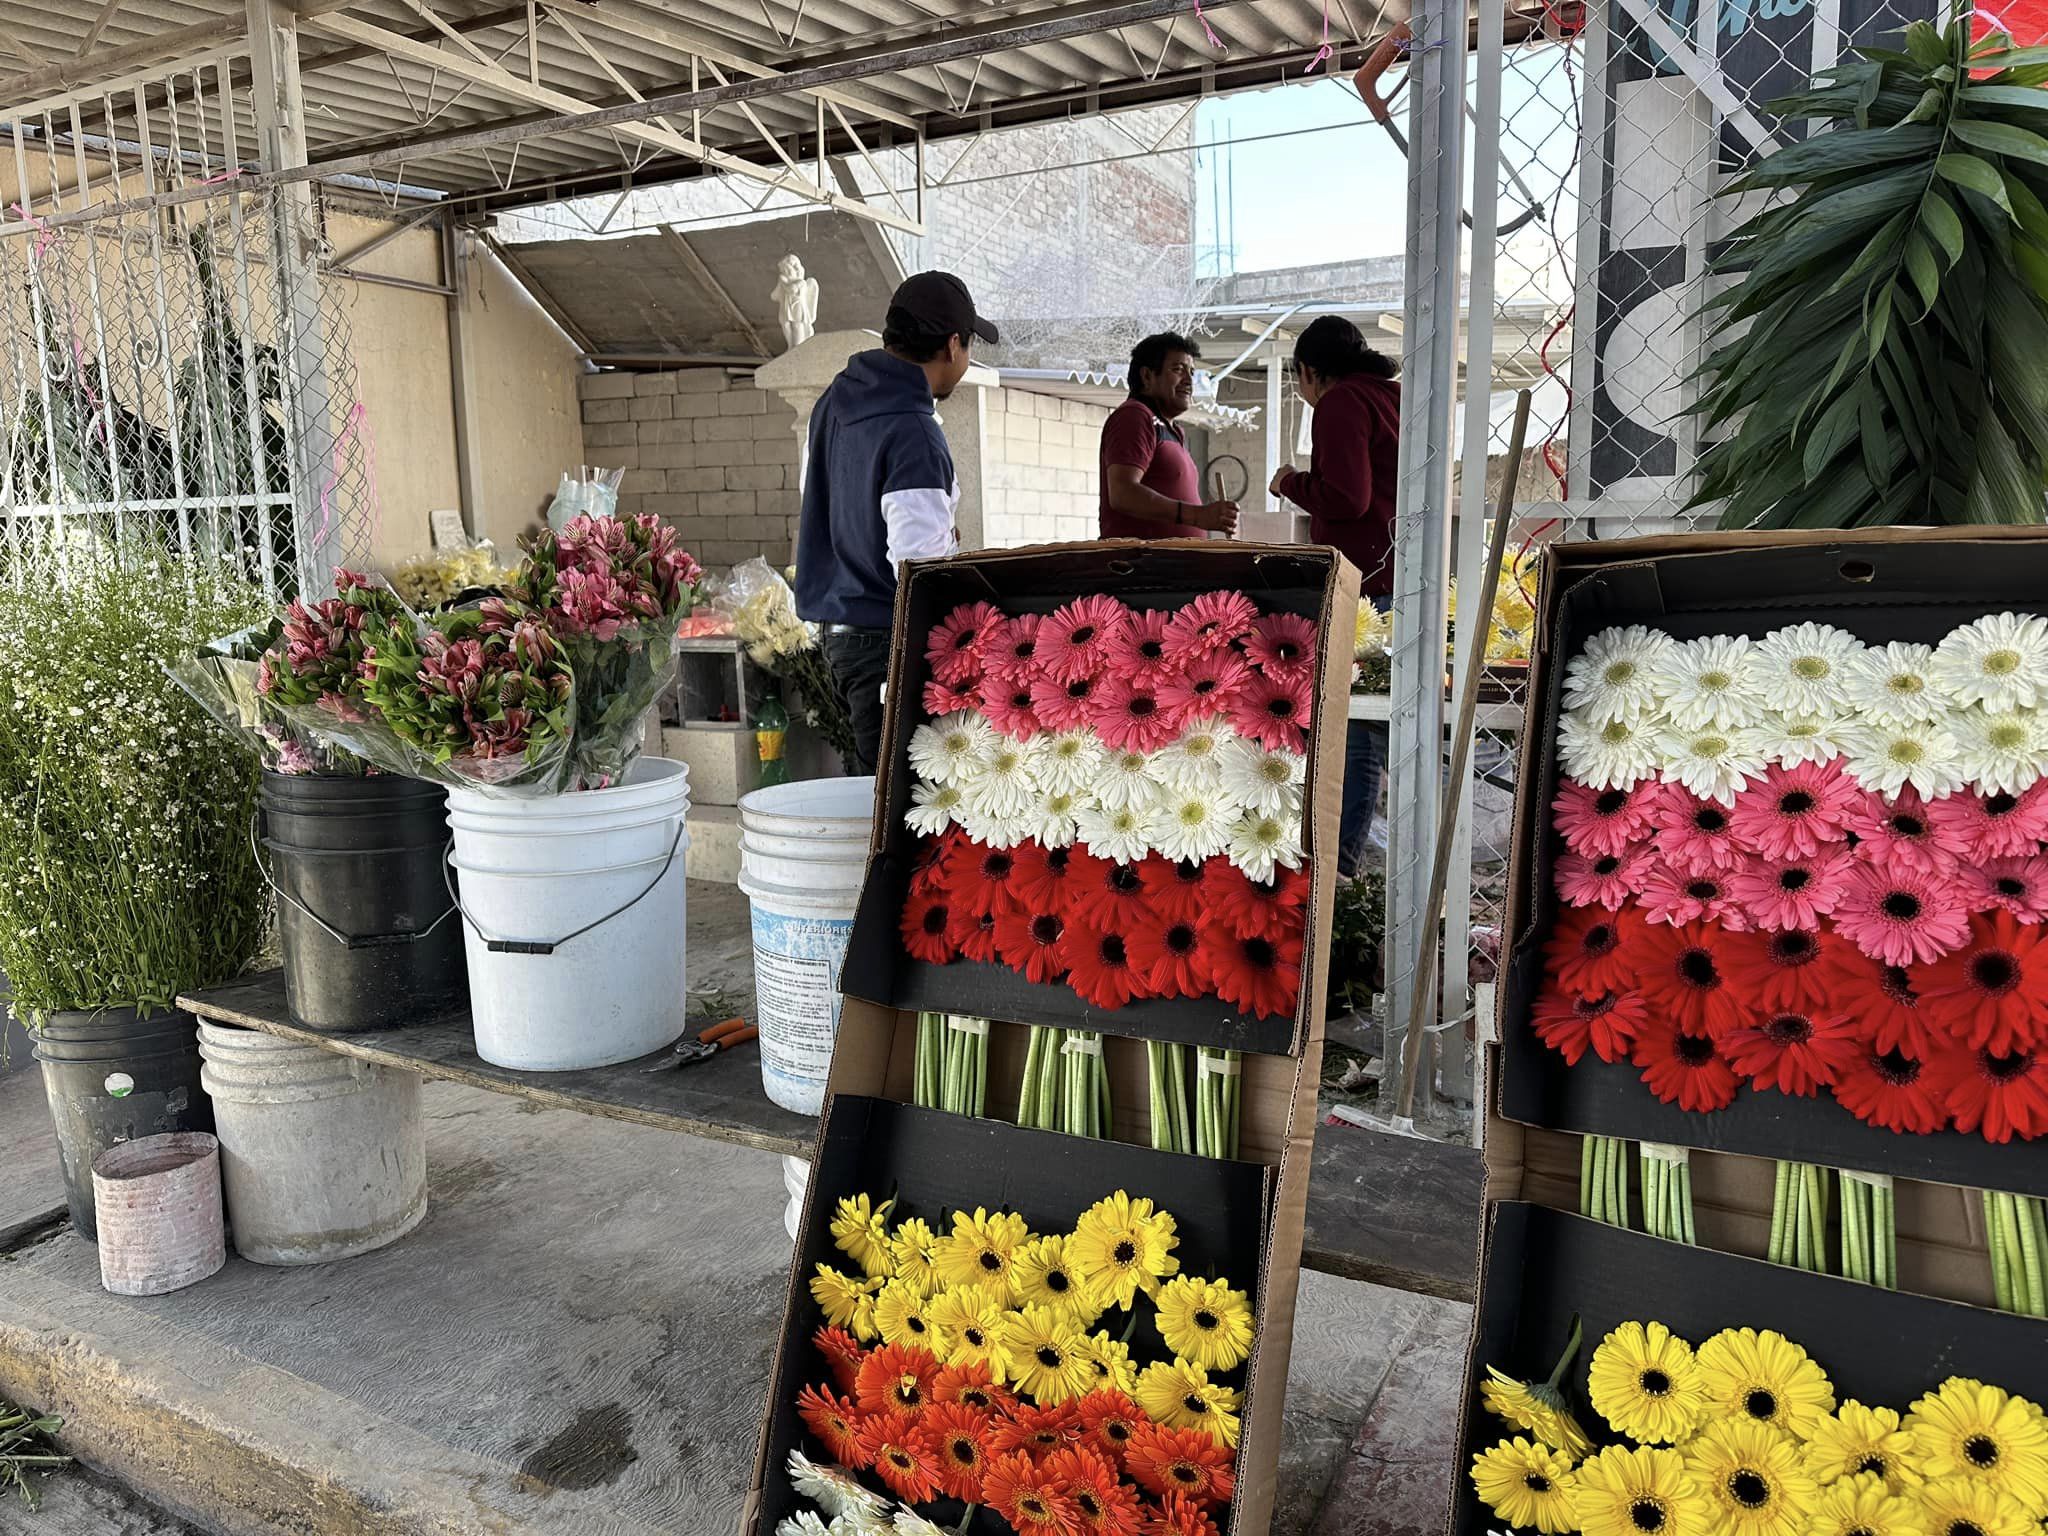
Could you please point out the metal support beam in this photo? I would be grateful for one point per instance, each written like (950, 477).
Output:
(468, 450)
(99, 25)
(694, 265)
(877, 240)
(404, 226)
(536, 291)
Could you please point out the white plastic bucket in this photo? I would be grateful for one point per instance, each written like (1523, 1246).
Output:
(796, 1178)
(573, 917)
(803, 855)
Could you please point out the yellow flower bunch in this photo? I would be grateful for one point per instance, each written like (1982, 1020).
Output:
(431, 580)
(1031, 1307)
(1743, 1436)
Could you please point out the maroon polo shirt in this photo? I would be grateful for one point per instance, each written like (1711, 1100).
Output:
(1138, 437)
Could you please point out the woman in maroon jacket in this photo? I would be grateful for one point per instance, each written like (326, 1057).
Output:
(1348, 493)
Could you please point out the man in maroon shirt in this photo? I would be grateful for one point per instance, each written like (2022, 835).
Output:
(1150, 486)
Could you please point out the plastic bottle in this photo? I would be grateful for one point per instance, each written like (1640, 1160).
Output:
(771, 733)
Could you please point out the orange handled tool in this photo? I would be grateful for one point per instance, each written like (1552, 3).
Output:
(706, 1044)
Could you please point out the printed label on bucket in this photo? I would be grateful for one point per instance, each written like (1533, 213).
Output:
(796, 984)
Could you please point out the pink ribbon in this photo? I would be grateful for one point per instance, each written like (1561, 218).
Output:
(1207, 30)
(1323, 52)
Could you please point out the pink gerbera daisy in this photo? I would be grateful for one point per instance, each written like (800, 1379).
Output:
(1206, 686)
(1792, 813)
(1607, 881)
(1790, 893)
(1006, 701)
(1009, 648)
(1282, 645)
(1138, 650)
(1211, 622)
(1063, 706)
(2020, 885)
(1272, 712)
(1898, 833)
(954, 649)
(1131, 719)
(1075, 639)
(1900, 915)
(1597, 821)
(943, 698)
(1693, 834)
(1672, 896)
(1976, 828)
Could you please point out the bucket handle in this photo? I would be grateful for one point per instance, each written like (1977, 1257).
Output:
(546, 946)
(345, 940)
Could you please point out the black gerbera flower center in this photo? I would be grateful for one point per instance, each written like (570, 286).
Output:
(1760, 1403)
(1790, 1029)
(1182, 938)
(2000, 804)
(1080, 688)
(1982, 1451)
(1896, 1068)
(1032, 1505)
(1703, 890)
(1021, 699)
(1112, 949)
(909, 1393)
(1116, 1429)
(1205, 685)
(974, 1336)
(2006, 885)
(934, 921)
(1696, 969)
(2005, 1069)
(914, 1323)
(1646, 1515)
(991, 1261)
(1793, 947)
(1610, 801)
(977, 1397)
(996, 865)
(1126, 1252)
(1088, 1504)
(1797, 803)
(1188, 871)
(1259, 954)
(1606, 865)
(963, 1452)
(1056, 859)
(1994, 971)
(1901, 906)
(1152, 650)
(1600, 939)
(964, 641)
(1142, 705)
(1023, 650)
(1194, 1404)
(1181, 1472)
(1963, 1528)
(1050, 1358)
(900, 1460)
(1595, 1007)
(1749, 1489)
(1794, 879)
(1710, 819)
(1906, 825)
(1056, 1281)
(1205, 1319)
(1082, 634)
(1281, 706)
(1876, 1465)
(1654, 1382)
(1695, 1050)
(1046, 928)
(1125, 880)
(1536, 1482)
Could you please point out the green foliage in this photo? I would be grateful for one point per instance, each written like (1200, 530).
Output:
(1358, 926)
(1895, 366)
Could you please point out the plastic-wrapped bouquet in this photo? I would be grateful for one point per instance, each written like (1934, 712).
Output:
(223, 678)
(763, 613)
(434, 581)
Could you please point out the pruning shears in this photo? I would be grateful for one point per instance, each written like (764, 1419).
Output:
(706, 1043)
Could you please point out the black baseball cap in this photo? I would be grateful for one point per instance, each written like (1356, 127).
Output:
(939, 302)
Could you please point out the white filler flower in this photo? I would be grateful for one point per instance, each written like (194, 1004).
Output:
(1885, 758)
(1894, 684)
(2001, 662)
(1804, 669)
(1615, 676)
(1617, 755)
(1713, 762)
(948, 749)
(1709, 682)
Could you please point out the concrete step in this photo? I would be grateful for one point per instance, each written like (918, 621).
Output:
(76, 1501)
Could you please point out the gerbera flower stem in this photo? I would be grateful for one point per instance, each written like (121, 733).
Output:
(1667, 1191)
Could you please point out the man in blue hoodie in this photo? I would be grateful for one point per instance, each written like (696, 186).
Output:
(880, 488)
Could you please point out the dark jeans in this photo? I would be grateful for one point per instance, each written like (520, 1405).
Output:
(1365, 760)
(860, 666)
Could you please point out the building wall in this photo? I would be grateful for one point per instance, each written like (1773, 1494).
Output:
(1042, 481)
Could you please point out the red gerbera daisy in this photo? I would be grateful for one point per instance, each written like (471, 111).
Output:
(897, 1378)
(1976, 827)
(2003, 1094)
(973, 934)
(1673, 896)
(1792, 813)
(1174, 955)
(1114, 896)
(1569, 1023)
(1040, 1431)
(979, 877)
(1007, 647)
(1272, 712)
(1258, 975)
(1283, 644)
(836, 1423)
(1607, 880)
(1597, 822)
(1684, 1069)
(1108, 1421)
(1679, 973)
(1028, 941)
(1206, 687)
(1138, 650)
(972, 1385)
(1899, 833)
(1796, 969)
(1794, 893)
(1180, 1516)
(1693, 834)
(1104, 1505)
(1179, 892)
(1029, 1498)
(1886, 999)
(1209, 623)
(1188, 1462)
(898, 1455)
(956, 1437)
(1893, 1089)
(2019, 885)
(843, 1352)
(1269, 909)
(1129, 718)
(1591, 952)
(1901, 915)
(1793, 1051)
(927, 928)
(1040, 877)
(943, 698)
(954, 649)
(1993, 992)
(1007, 704)
(1075, 639)
(1099, 966)
(1063, 705)
(928, 868)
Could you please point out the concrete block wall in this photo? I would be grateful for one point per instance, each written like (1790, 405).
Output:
(705, 451)
(1041, 481)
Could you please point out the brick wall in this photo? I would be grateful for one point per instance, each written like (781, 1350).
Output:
(1041, 481)
(705, 451)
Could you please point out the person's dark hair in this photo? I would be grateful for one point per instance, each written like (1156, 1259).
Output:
(1337, 349)
(1153, 351)
(908, 339)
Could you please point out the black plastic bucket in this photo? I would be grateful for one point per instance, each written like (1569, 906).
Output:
(364, 918)
(114, 1076)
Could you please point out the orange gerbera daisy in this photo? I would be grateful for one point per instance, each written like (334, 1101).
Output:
(1039, 1431)
(1184, 1461)
(898, 1455)
(897, 1378)
(975, 1385)
(843, 1352)
(1024, 1494)
(1109, 1420)
(957, 1437)
(1180, 1515)
(1105, 1505)
(836, 1423)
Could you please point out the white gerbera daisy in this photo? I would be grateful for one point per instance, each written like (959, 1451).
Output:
(804, 1522)
(1116, 832)
(933, 808)
(1713, 762)
(1615, 677)
(1894, 684)
(1065, 761)
(1194, 760)
(1261, 780)
(1796, 739)
(1258, 842)
(1001, 784)
(1883, 758)
(1710, 681)
(833, 1491)
(996, 831)
(1617, 755)
(1052, 822)
(1804, 669)
(859, 1522)
(949, 748)
(2002, 752)
(1189, 825)
(2001, 662)
(1125, 779)
(909, 1522)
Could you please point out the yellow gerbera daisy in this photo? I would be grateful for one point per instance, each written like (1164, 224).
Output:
(1753, 1476)
(1528, 1485)
(1962, 1506)
(1180, 1395)
(1124, 1246)
(913, 1255)
(1970, 1430)
(1856, 1440)
(1110, 1361)
(970, 1318)
(1766, 1377)
(1205, 1321)
(848, 1303)
(1536, 1408)
(1861, 1505)
(903, 1314)
(1041, 1275)
(1644, 1382)
(981, 1249)
(1640, 1491)
(860, 1231)
(1046, 1361)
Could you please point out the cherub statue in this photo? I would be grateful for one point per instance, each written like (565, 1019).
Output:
(796, 302)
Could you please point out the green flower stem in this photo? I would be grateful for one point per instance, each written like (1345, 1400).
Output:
(2001, 1278)
(1588, 1146)
(1685, 1201)
(1887, 1241)
(1781, 1206)
(1027, 1096)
